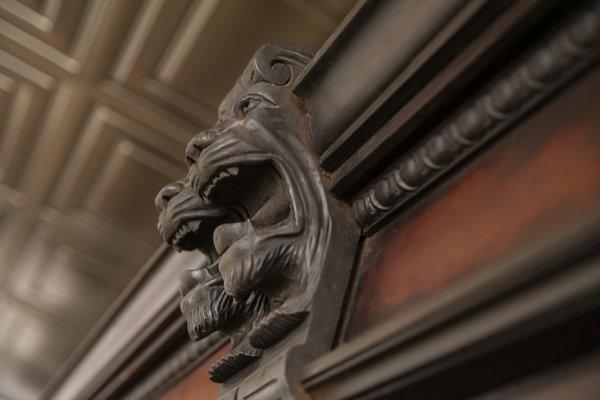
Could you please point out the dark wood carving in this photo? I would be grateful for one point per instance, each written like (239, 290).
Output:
(254, 203)
(563, 55)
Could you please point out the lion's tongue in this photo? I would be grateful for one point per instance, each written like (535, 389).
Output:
(224, 235)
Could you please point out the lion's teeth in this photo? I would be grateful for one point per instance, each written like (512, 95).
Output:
(216, 179)
(208, 190)
(181, 232)
(233, 170)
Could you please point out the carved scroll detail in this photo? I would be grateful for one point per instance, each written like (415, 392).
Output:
(567, 52)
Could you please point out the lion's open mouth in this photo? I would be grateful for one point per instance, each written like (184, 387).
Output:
(236, 201)
(218, 178)
(184, 232)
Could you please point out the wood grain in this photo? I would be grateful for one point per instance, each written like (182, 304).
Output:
(536, 182)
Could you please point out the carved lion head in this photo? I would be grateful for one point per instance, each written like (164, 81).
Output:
(253, 203)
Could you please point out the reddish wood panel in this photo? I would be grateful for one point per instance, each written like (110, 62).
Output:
(540, 179)
(197, 386)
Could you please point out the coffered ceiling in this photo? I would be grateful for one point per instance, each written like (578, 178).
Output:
(97, 101)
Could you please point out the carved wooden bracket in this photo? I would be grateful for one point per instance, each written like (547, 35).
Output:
(254, 202)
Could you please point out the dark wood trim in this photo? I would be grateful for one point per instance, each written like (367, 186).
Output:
(107, 318)
(169, 327)
(429, 61)
(519, 90)
(334, 96)
(160, 335)
(543, 287)
(504, 37)
(173, 369)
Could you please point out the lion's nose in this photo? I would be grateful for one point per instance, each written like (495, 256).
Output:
(197, 144)
(166, 194)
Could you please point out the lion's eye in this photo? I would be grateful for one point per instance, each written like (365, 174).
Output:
(253, 101)
(248, 104)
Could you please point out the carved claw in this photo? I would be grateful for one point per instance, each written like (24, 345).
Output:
(230, 364)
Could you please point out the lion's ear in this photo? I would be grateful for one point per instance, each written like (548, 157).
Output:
(277, 63)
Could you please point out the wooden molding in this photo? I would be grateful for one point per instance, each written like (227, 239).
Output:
(565, 54)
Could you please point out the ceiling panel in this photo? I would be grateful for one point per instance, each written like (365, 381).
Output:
(24, 96)
(116, 158)
(218, 31)
(52, 21)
